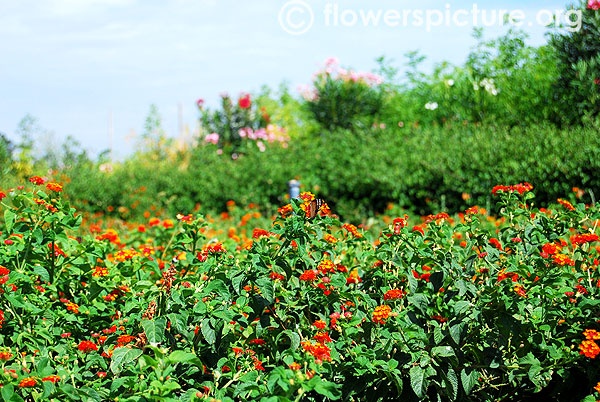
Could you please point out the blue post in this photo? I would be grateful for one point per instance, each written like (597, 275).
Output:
(294, 186)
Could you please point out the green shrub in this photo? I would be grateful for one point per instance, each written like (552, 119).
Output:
(308, 309)
(578, 85)
(343, 98)
(359, 173)
(503, 82)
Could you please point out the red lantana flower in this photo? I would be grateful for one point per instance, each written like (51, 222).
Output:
(87, 346)
(37, 180)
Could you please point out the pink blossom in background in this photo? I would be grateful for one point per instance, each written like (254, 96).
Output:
(307, 92)
(332, 61)
(593, 4)
(332, 69)
(212, 138)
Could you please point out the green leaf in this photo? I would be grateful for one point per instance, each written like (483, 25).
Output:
(118, 383)
(420, 301)
(451, 381)
(461, 306)
(9, 219)
(92, 394)
(7, 392)
(70, 391)
(265, 284)
(49, 389)
(155, 330)
(469, 378)
(456, 331)
(218, 286)
(294, 339)
(122, 356)
(438, 335)
(147, 361)
(42, 272)
(443, 351)
(94, 291)
(417, 381)
(209, 334)
(180, 356)
(328, 389)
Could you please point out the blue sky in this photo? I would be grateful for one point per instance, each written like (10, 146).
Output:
(70, 62)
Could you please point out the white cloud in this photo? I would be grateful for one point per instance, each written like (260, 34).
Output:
(82, 7)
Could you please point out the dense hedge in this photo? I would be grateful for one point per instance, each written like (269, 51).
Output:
(359, 173)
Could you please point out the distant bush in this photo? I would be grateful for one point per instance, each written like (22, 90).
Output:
(424, 169)
(235, 127)
(342, 98)
(578, 52)
(503, 82)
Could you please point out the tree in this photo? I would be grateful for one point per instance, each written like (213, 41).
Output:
(577, 90)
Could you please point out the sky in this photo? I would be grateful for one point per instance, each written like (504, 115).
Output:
(73, 63)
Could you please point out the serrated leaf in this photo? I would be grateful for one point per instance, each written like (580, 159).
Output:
(443, 351)
(94, 291)
(420, 301)
(209, 334)
(92, 394)
(218, 286)
(180, 356)
(417, 381)
(265, 285)
(9, 219)
(42, 272)
(468, 377)
(328, 389)
(155, 330)
(294, 339)
(461, 306)
(117, 383)
(122, 356)
(49, 389)
(456, 331)
(7, 392)
(451, 381)
(338, 280)
(438, 335)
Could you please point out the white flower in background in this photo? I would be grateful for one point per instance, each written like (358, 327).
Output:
(449, 82)
(431, 106)
(106, 168)
(489, 86)
(476, 86)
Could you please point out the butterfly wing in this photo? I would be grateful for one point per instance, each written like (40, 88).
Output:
(312, 211)
(315, 206)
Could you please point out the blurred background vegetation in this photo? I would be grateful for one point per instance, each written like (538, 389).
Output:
(426, 142)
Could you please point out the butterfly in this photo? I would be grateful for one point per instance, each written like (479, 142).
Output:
(315, 207)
